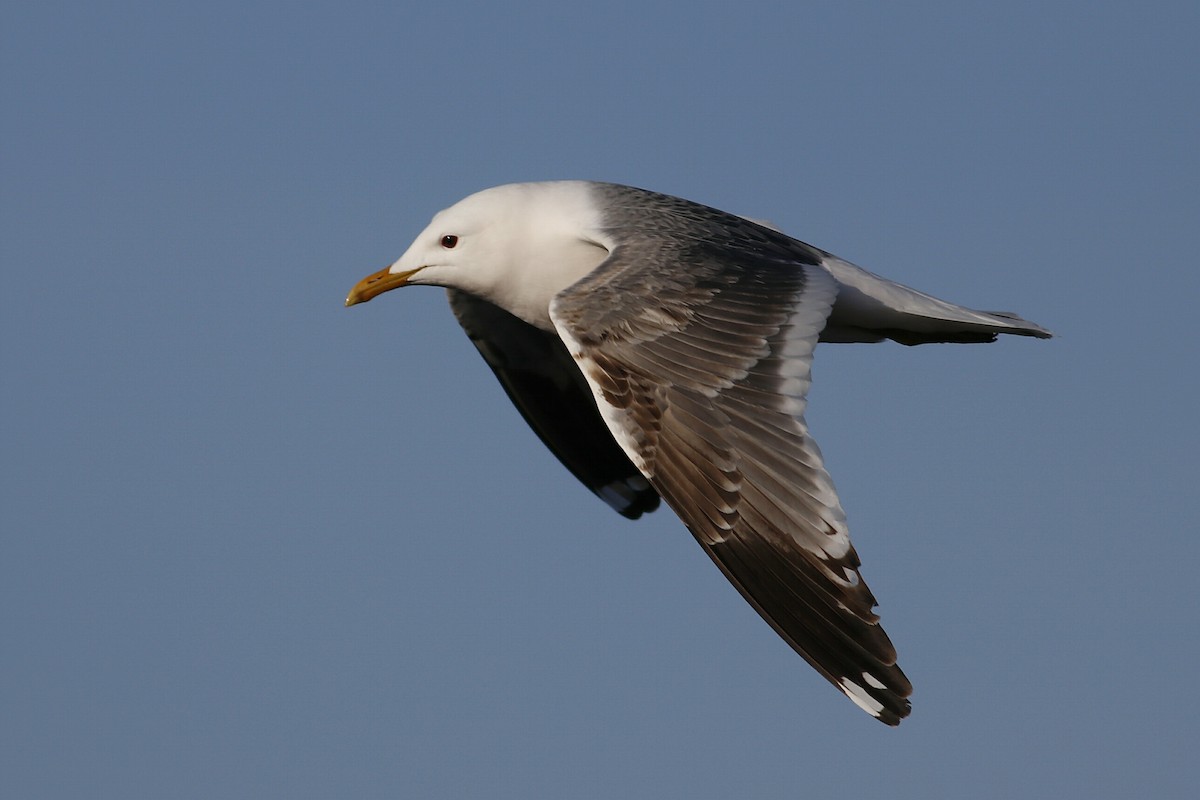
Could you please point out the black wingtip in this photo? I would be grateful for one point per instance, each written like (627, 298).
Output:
(630, 497)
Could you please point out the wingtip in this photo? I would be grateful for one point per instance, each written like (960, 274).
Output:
(882, 703)
(1026, 328)
(629, 497)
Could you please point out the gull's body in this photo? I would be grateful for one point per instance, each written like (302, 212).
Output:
(661, 348)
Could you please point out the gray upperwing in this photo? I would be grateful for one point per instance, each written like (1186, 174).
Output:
(697, 337)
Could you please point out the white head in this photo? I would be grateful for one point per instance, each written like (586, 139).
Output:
(515, 246)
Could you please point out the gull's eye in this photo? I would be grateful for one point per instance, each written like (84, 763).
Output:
(449, 240)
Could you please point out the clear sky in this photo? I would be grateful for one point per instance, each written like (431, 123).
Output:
(256, 544)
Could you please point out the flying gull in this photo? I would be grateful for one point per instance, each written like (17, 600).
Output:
(662, 349)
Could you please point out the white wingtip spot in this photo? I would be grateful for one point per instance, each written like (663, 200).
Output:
(860, 697)
(872, 681)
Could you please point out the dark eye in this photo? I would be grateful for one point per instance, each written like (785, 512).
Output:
(449, 240)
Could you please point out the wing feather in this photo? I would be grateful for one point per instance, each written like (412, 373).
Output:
(544, 384)
(701, 375)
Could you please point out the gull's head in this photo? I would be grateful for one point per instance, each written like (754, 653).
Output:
(516, 246)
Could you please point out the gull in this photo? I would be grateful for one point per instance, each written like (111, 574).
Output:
(662, 349)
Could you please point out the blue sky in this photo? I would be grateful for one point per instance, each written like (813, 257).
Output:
(259, 545)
